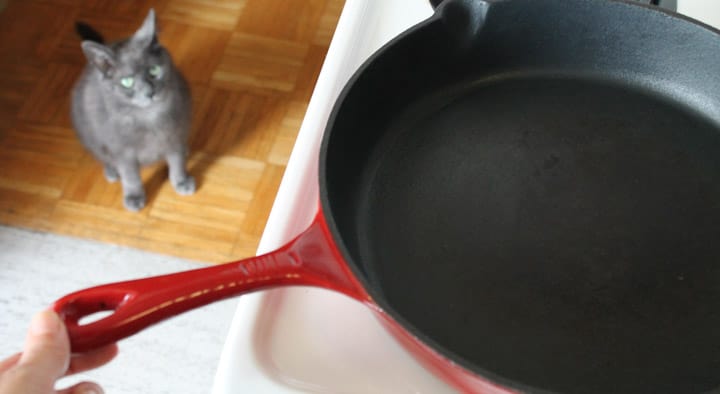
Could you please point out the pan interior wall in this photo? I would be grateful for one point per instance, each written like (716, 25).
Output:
(559, 232)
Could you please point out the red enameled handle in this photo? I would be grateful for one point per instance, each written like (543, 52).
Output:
(308, 260)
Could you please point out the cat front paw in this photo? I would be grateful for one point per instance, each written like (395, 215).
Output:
(134, 202)
(111, 175)
(185, 187)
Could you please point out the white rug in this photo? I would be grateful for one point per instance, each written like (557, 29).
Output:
(179, 355)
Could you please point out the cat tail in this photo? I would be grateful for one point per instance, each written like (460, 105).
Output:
(87, 33)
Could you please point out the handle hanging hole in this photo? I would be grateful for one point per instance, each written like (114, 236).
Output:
(97, 316)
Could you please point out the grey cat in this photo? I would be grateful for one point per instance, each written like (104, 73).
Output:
(131, 107)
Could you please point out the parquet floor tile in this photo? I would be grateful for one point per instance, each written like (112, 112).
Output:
(252, 66)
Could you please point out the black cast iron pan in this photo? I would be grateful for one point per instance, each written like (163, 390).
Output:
(534, 185)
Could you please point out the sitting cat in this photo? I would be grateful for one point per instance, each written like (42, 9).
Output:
(131, 107)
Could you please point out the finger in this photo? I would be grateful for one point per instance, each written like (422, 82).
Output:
(9, 362)
(84, 361)
(44, 359)
(47, 348)
(83, 388)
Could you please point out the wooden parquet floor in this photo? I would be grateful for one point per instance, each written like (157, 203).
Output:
(252, 66)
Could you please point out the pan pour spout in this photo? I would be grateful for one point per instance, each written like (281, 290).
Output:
(463, 18)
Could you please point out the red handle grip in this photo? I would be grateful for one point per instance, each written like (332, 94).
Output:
(137, 304)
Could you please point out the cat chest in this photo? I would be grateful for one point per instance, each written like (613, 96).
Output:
(148, 142)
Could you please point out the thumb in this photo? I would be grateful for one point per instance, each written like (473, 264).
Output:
(46, 356)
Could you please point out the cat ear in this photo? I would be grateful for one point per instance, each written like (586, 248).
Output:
(146, 33)
(99, 55)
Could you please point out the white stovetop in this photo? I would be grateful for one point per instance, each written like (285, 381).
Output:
(311, 340)
(301, 340)
(707, 11)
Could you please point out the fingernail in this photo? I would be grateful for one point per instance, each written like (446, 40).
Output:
(91, 390)
(46, 322)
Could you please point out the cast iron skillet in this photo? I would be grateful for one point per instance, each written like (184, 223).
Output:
(528, 193)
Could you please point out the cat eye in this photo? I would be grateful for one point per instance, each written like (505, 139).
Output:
(155, 71)
(127, 82)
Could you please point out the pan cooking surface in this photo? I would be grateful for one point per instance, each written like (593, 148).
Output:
(562, 233)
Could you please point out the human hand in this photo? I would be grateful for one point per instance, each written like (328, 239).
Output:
(46, 358)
